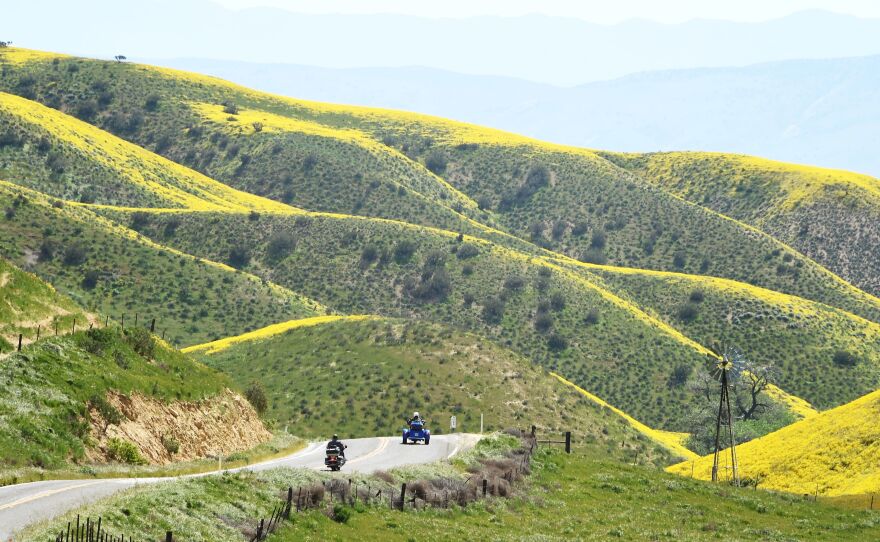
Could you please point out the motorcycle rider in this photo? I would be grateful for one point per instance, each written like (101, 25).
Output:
(336, 444)
(415, 418)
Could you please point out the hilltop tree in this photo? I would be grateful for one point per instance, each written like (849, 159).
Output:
(119, 58)
(754, 412)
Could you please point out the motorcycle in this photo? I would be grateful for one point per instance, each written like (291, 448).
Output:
(417, 432)
(334, 460)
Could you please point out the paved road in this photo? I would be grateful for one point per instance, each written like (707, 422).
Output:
(24, 504)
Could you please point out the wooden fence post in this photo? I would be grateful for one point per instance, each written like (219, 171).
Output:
(19, 342)
(402, 495)
(153, 326)
(485, 487)
(38, 333)
(135, 319)
(289, 502)
(107, 321)
(872, 502)
(260, 529)
(568, 442)
(123, 322)
(169, 536)
(56, 328)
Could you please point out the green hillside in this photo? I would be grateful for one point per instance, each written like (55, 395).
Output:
(415, 218)
(111, 270)
(564, 319)
(419, 169)
(29, 305)
(362, 377)
(46, 389)
(829, 215)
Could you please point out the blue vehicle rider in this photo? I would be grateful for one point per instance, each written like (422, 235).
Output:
(415, 418)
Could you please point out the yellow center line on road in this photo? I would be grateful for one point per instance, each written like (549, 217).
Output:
(378, 450)
(44, 494)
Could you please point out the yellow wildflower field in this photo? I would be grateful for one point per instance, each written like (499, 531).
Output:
(836, 453)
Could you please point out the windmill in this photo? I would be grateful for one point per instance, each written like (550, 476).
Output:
(730, 361)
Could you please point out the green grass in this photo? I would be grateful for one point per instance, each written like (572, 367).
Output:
(45, 389)
(362, 378)
(581, 496)
(28, 303)
(584, 496)
(192, 301)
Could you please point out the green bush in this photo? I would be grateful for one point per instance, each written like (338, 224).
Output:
(124, 452)
(256, 395)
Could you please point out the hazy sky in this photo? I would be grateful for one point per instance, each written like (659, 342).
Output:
(602, 11)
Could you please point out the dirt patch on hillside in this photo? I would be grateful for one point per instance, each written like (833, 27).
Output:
(224, 424)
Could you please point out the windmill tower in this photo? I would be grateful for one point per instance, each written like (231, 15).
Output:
(724, 421)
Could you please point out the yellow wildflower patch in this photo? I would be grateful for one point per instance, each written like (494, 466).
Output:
(17, 55)
(835, 452)
(268, 331)
(170, 182)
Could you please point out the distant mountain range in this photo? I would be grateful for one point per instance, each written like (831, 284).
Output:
(822, 112)
(555, 50)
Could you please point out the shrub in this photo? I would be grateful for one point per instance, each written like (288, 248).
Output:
(171, 444)
(280, 244)
(230, 108)
(697, 296)
(679, 259)
(141, 341)
(403, 251)
(111, 415)
(514, 282)
(152, 102)
(688, 312)
(369, 255)
(436, 162)
(594, 256)
(543, 322)
(842, 358)
(124, 452)
(258, 126)
(466, 251)
(341, 513)
(598, 239)
(592, 317)
(75, 254)
(493, 310)
(310, 161)
(557, 301)
(239, 256)
(256, 395)
(557, 342)
(680, 375)
(140, 220)
(90, 280)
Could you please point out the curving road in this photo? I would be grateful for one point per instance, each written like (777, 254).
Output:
(24, 504)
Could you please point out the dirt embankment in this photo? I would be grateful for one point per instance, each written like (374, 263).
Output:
(224, 424)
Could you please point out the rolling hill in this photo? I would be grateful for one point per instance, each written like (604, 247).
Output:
(110, 269)
(362, 376)
(829, 215)
(833, 454)
(419, 169)
(220, 210)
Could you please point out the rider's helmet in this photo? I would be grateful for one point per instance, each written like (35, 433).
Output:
(416, 415)
(335, 436)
